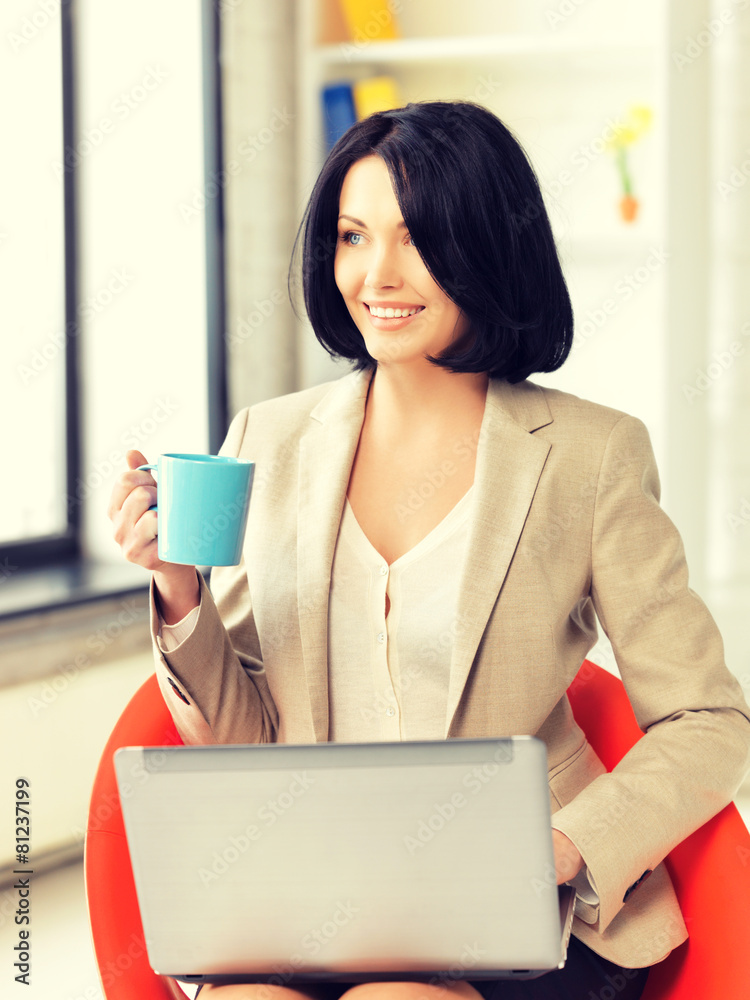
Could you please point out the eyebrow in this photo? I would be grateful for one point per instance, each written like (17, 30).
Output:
(359, 222)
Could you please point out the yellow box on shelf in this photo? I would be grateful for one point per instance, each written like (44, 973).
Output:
(370, 20)
(376, 93)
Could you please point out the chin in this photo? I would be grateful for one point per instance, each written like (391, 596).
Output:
(393, 349)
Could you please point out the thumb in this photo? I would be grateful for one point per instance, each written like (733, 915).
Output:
(134, 458)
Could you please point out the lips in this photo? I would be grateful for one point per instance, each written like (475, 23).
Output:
(392, 312)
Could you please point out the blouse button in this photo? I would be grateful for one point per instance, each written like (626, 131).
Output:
(384, 570)
(381, 637)
(390, 711)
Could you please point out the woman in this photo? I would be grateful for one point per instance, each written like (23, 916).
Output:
(431, 536)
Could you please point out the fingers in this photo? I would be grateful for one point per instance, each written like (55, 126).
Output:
(125, 485)
(134, 509)
(134, 458)
(135, 526)
(129, 480)
(568, 860)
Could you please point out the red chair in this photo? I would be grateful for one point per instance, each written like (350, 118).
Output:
(710, 870)
(116, 926)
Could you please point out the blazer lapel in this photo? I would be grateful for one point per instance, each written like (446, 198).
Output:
(508, 466)
(326, 456)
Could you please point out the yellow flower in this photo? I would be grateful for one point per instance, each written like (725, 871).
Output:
(637, 121)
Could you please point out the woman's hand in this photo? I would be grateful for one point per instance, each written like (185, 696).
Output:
(568, 860)
(135, 525)
(136, 534)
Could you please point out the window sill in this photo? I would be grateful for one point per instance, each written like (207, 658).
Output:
(52, 588)
(67, 618)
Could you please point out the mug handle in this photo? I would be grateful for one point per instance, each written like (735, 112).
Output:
(151, 468)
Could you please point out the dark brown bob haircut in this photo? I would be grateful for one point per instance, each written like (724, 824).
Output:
(473, 206)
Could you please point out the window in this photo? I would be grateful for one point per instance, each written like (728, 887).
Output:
(111, 255)
(38, 321)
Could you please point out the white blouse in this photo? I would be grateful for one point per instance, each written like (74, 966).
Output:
(388, 675)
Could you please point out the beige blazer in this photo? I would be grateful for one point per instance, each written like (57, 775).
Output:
(567, 527)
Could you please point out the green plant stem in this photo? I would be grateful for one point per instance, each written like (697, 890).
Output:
(622, 163)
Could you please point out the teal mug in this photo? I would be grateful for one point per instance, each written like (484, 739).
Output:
(202, 508)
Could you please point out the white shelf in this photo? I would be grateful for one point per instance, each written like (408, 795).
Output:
(442, 50)
(605, 247)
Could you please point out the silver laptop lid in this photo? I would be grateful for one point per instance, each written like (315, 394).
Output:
(341, 861)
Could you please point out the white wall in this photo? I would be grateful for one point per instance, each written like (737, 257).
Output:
(725, 388)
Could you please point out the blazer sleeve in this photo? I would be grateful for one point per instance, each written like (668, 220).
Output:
(214, 682)
(670, 654)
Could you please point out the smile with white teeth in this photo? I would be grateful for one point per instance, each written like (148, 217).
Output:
(392, 313)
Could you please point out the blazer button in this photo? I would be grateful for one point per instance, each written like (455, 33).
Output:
(637, 883)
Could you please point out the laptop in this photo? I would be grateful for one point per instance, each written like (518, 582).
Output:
(355, 862)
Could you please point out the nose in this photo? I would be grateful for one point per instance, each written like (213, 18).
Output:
(382, 268)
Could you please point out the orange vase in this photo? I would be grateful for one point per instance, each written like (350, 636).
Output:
(628, 207)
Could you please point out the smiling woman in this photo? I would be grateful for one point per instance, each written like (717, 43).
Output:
(349, 622)
(382, 278)
(445, 186)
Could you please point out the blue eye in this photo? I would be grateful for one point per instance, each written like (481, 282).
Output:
(350, 238)
(353, 239)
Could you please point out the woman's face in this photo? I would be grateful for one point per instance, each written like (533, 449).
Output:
(379, 272)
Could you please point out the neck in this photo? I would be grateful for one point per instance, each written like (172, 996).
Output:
(425, 397)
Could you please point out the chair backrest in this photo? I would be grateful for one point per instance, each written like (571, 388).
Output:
(116, 927)
(710, 870)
